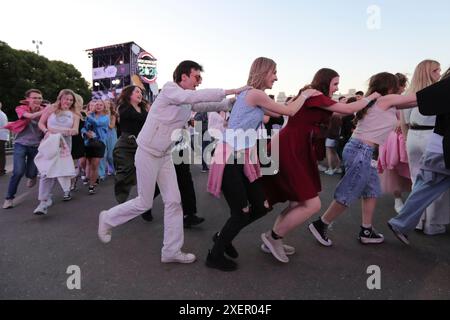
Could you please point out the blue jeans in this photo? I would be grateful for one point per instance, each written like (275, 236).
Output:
(360, 179)
(423, 194)
(23, 162)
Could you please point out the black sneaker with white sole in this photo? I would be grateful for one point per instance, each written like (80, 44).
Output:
(91, 190)
(67, 196)
(370, 236)
(319, 231)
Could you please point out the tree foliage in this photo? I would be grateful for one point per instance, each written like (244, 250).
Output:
(22, 70)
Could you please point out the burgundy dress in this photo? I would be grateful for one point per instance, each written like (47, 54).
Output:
(302, 144)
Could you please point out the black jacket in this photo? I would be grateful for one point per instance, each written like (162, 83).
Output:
(435, 100)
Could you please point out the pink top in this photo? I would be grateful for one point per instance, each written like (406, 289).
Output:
(376, 125)
(222, 154)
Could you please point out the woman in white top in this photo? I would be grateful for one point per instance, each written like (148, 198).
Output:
(62, 117)
(420, 128)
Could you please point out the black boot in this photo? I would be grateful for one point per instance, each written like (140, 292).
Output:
(230, 250)
(220, 262)
(192, 220)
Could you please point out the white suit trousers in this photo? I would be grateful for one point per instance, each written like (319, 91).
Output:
(150, 170)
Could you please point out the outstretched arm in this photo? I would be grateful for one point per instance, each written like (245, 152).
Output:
(224, 105)
(259, 98)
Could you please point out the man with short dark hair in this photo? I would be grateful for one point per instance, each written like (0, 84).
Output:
(26, 143)
(170, 111)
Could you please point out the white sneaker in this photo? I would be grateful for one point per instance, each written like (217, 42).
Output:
(8, 204)
(322, 168)
(338, 170)
(289, 250)
(180, 257)
(104, 229)
(434, 229)
(330, 172)
(41, 208)
(398, 205)
(275, 247)
(49, 202)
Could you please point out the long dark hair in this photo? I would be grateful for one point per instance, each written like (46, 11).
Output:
(125, 95)
(384, 83)
(321, 82)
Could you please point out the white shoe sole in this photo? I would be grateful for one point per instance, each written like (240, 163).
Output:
(175, 260)
(371, 241)
(316, 235)
(104, 234)
(272, 250)
(289, 252)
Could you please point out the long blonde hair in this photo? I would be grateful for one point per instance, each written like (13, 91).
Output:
(422, 76)
(259, 70)
(75, 107)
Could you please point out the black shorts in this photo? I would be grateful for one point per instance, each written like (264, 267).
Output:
(95, 149)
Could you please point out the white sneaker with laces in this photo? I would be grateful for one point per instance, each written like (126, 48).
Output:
(289, 250)
(180, 257)
(275, 247)
(398, 205)
(41, 209)
(8, 204)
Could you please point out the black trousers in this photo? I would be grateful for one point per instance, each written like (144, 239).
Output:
(239, 194)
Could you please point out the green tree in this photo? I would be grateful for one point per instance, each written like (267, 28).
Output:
(22, 70)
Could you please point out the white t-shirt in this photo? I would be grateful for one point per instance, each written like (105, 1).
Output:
(435, 144)
(4, 133)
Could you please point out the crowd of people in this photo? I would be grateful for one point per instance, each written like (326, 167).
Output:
(384, 141)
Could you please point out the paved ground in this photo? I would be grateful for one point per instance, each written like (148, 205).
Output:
(35, 253)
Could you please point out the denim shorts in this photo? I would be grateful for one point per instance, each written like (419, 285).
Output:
(361, 178)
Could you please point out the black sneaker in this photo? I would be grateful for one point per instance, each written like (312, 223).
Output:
(319, 231)
(91, 190)
(193, 220)
(220, 262)
(400, 236)
(147, 215)
(230, 250)
(67, 196)
(370, 236)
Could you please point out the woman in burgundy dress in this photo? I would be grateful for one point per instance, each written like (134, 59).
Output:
(301, 145)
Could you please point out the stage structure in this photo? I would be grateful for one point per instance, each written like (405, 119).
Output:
(119, 65)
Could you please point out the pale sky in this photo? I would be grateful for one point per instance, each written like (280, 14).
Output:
(348, 36)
